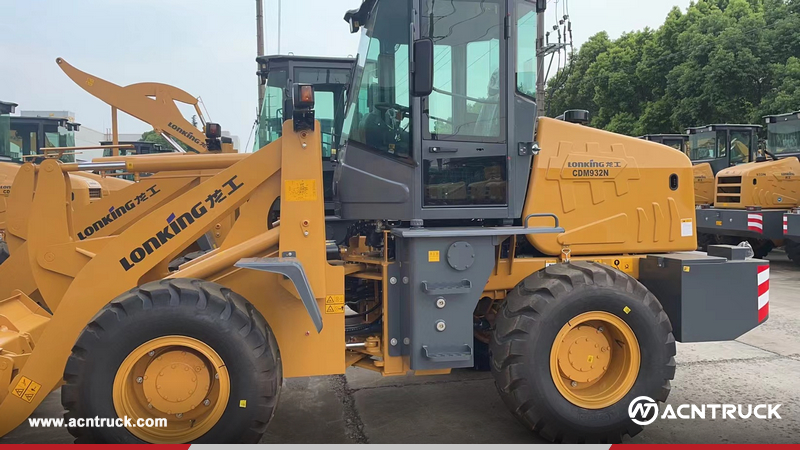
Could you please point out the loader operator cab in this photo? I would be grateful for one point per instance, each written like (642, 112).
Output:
(22, 137)
(331, 80)
(440, 117)
(783, 135)
(677, 141)
(723, 145)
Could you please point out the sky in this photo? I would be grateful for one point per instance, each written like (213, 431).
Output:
(205, 47)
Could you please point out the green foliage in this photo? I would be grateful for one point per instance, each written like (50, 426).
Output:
(720, 61)
(152, 136)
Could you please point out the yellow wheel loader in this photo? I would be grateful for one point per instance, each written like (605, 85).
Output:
(751, 199)
(576, 261)
(329, 75)
(716, 147)
(28, 138)
(677, 141)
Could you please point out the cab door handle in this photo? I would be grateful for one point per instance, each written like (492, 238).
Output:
(443, 149)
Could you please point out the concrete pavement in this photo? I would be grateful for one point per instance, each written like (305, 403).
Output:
(762, 366)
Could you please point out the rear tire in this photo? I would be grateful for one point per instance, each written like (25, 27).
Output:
(533, 316)
(792, 249)
(179, 309)
(761, 247)
(706, 239)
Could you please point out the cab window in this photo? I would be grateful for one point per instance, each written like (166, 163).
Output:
(466, 103)
(379, 116)
(741, 143)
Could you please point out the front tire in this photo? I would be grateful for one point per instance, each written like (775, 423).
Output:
(190, 351)
(559, 323)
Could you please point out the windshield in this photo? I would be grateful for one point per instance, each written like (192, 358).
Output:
(270, 121)
(677, 144)
(61, 138)
(741, 143)
(378, 115)
(784, 137)
(702, 146)
(330, 86)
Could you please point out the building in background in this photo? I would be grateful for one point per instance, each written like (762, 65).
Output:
(235, 139)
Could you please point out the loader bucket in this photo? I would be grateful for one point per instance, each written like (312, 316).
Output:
(21, 323)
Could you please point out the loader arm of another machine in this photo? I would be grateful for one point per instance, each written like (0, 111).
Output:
(37, 363)
(152, 103)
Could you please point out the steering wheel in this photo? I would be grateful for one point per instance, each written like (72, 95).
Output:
(388, 107)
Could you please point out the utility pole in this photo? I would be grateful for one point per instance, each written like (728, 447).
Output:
(279, 27)
(260, 46)
(543, 49)
(540, 81)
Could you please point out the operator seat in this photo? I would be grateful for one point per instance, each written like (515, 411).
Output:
(488, 122)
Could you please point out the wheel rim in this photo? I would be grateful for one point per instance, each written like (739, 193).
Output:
(175, 377)
(595, 360)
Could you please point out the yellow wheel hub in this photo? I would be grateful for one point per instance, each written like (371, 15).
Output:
(595, 360)
(177, 378)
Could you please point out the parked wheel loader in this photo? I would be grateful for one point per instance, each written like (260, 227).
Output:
(751, 199)
(30, 138)
(153, 103)
(157, 105)
(572, 261)
(331, 80)
(677, 141)
(716, 147)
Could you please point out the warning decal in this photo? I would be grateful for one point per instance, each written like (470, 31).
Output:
(300, 190)
(26, 389)
(334, 300)
(687, 229)
(334, 309)
(433, 256)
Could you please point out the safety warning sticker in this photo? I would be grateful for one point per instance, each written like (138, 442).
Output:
(334, 309)
(433, 256)
(300, 190)
(686, 228)
(334, 300)
(26, 389)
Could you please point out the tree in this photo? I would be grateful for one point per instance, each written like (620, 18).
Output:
(152, 136)
(719, 61)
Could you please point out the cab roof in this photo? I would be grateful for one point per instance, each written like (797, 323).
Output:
(782, 117)
(722, 127)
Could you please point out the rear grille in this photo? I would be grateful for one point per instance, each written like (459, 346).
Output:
(729, 189)
(95, 193)
(730, 180)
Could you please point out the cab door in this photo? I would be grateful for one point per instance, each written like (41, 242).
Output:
(464, 152)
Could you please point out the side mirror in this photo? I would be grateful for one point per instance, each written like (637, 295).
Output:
(422, 80)
(541, 6)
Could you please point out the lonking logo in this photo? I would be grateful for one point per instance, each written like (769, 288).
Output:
(187, 134)
(176, 224)
(115, 212)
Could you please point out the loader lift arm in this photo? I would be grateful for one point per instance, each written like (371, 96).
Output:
(152, 103)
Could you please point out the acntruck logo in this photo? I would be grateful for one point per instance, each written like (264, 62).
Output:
(644, 411)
